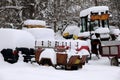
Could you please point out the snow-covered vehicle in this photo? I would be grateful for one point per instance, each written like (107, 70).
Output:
(47, 48)
(71, 32)
(96, 19)
(61, 52)
(11, 39)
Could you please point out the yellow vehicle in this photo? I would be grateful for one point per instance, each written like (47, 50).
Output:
(94, 18)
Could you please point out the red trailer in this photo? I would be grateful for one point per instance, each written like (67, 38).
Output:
(111, 49)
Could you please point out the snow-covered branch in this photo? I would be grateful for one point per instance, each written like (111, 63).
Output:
(12, 7)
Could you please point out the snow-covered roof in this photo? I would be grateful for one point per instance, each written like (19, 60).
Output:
(93, 9)
(34, 22)
(12, 38)
(42, 33)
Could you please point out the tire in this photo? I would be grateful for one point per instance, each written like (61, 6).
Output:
(114, 61)
(72, 67)
(75, 67)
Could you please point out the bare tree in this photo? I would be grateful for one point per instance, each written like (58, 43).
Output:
(57, 13)
(115, 6)
(96, 2)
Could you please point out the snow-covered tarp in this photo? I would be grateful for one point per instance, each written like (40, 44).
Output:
(72, 29)
(12, 38)
(34, 22)
(93, 9)
(42, 33)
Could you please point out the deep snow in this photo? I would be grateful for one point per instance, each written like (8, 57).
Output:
(95, 69)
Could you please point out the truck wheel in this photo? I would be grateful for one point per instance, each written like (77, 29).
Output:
(114, 61)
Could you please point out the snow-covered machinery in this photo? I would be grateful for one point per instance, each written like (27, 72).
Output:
(66, 54)
(71, 31)
(96, 20)
(12, 39)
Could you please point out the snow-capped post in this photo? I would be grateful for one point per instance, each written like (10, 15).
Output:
(42, 43)
(48, 44)
(70, 45)
(77, 44)
(62, 43)
(65, 43)
(55, 43)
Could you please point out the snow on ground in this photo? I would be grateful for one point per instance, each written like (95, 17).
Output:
(95, 69)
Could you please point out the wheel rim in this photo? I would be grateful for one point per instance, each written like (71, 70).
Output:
(114, 61)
